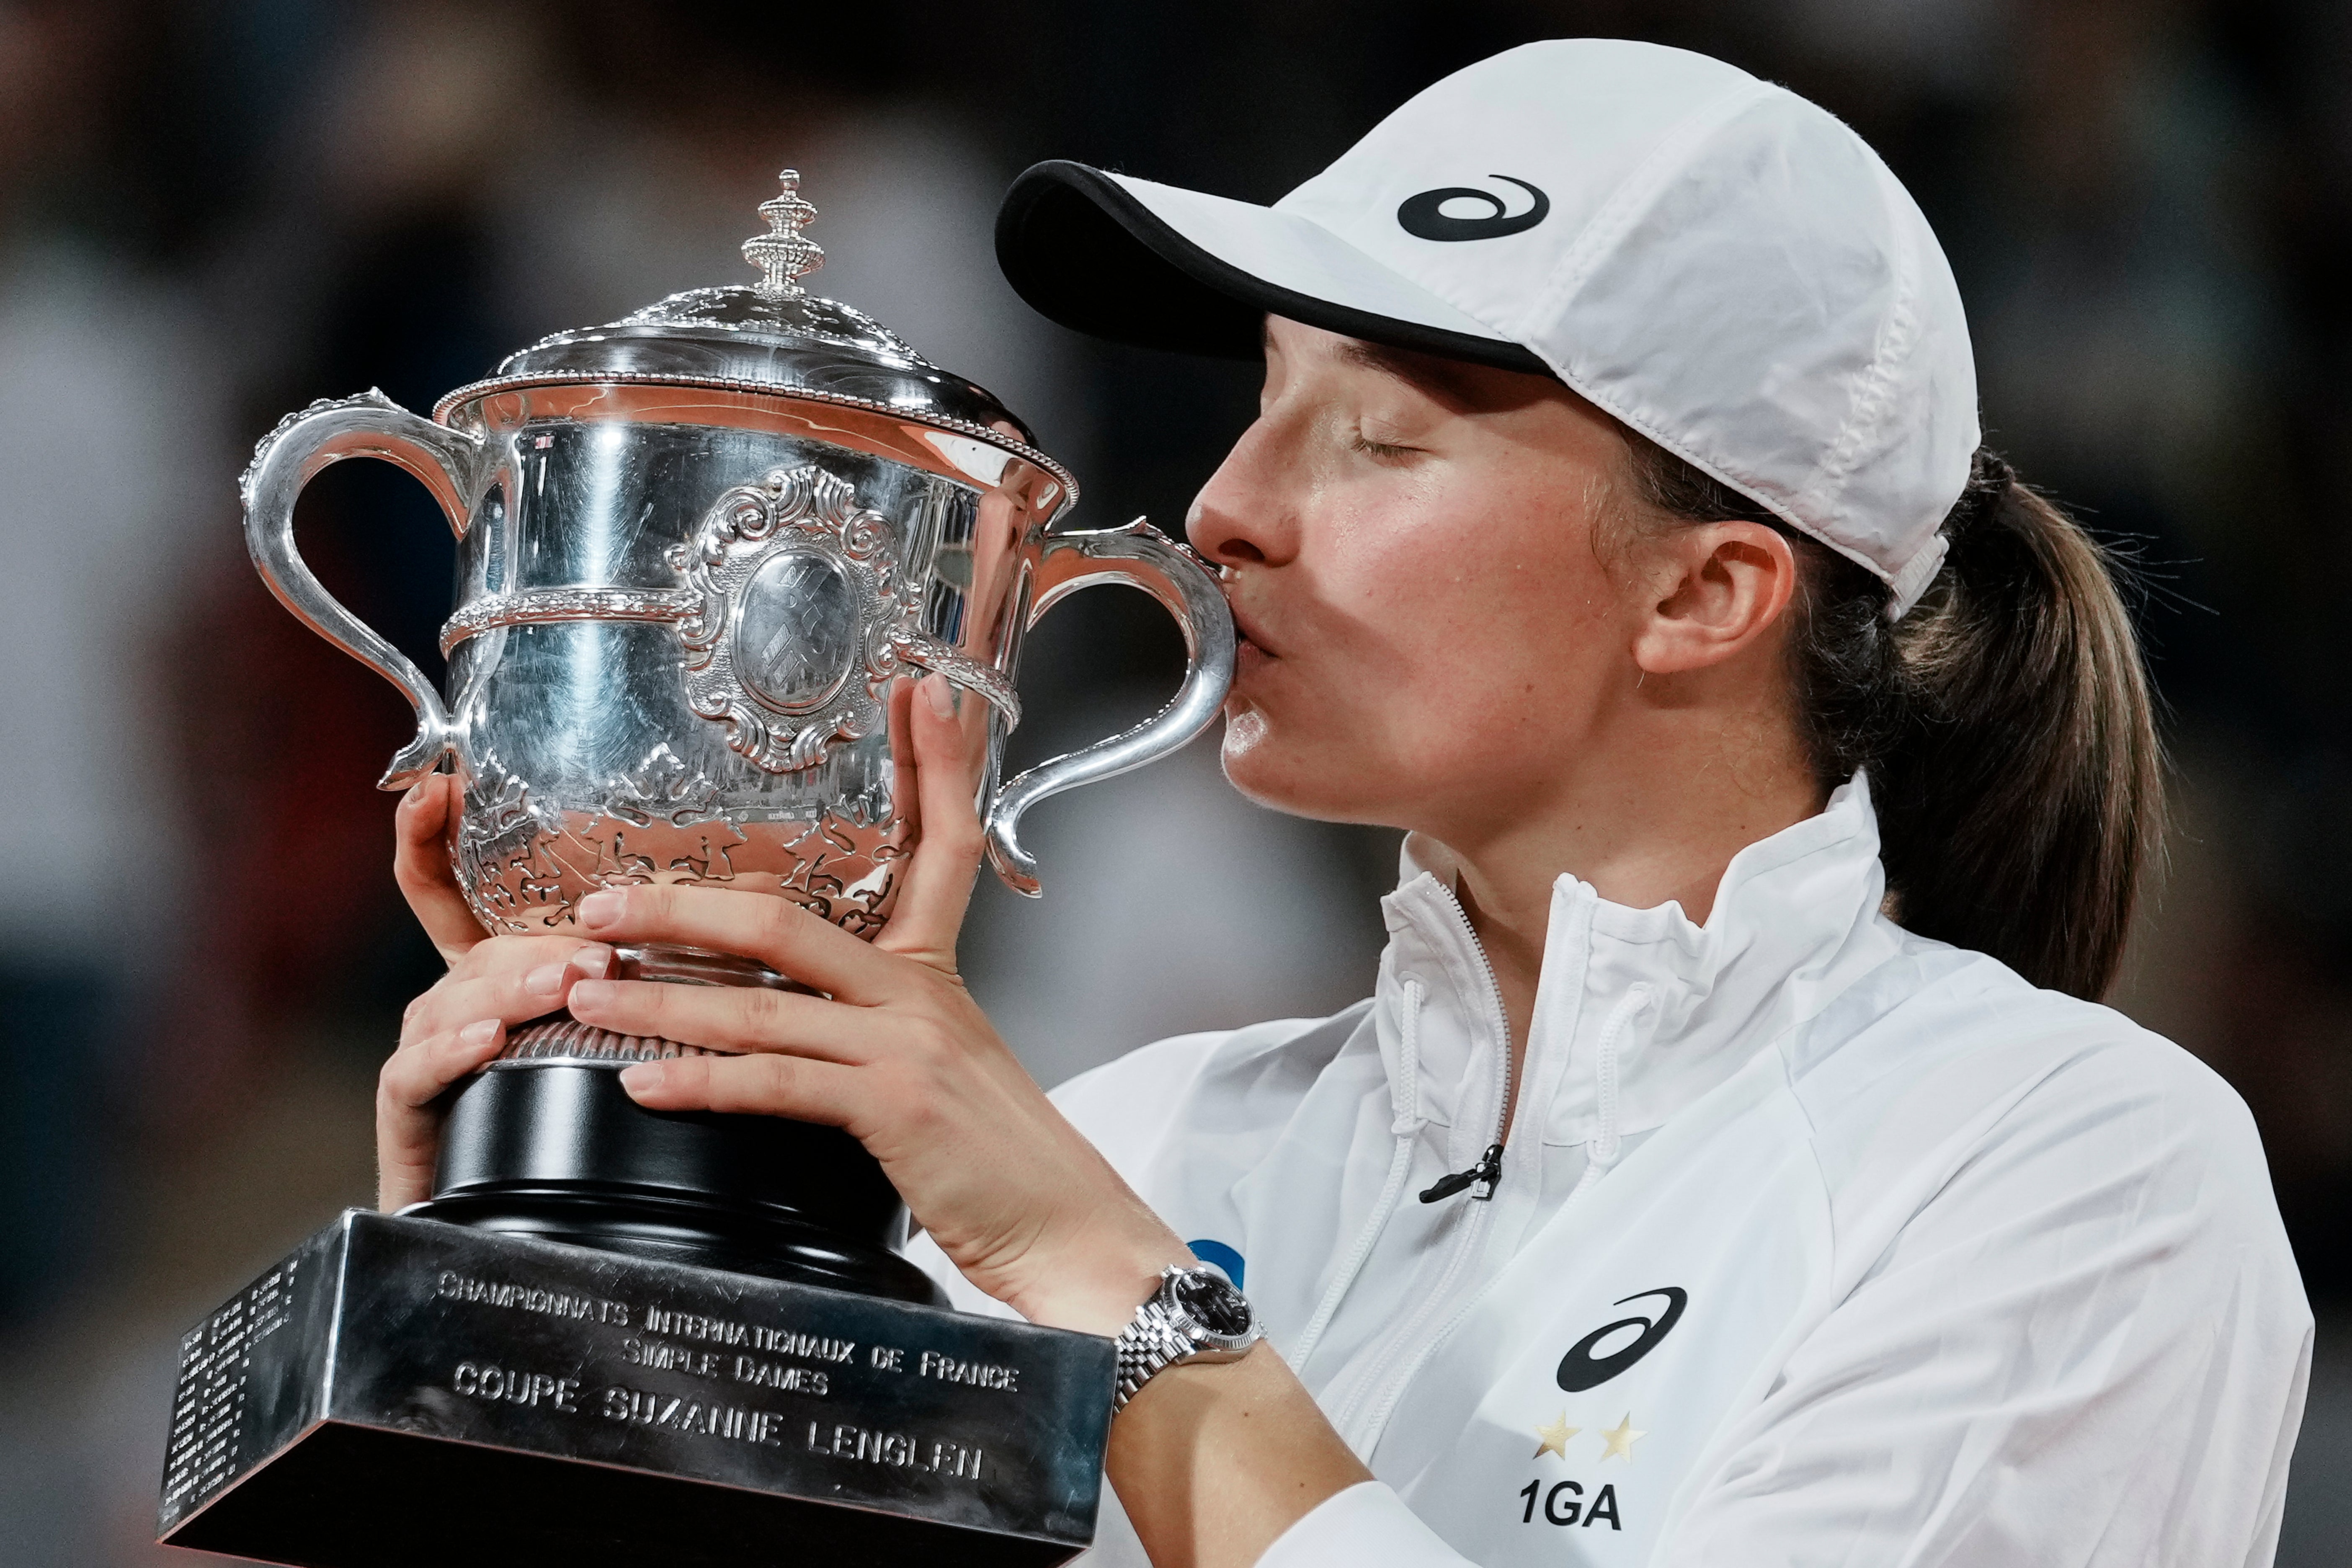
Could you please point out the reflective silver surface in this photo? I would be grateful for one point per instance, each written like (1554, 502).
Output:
(771, 336)
(703, 554)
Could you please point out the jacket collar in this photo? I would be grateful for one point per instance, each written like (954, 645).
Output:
(1664, 1007)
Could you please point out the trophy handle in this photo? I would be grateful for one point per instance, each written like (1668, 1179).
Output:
(368, 426)
(1142, 557)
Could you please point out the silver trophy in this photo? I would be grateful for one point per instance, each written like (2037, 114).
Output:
(701, 549)
(696, 547)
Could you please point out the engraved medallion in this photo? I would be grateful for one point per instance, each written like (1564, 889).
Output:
(796, 616)
(796, 630)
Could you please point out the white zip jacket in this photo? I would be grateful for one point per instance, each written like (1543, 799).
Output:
(1813, 1242)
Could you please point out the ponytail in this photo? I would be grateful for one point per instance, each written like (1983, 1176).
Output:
(2006, 722)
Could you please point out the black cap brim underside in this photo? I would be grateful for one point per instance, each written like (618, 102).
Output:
(1083, 251)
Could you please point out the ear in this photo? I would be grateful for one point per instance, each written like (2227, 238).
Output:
(1720, 587)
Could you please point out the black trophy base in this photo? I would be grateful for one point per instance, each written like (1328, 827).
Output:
(558, 1150)
(401, 1391)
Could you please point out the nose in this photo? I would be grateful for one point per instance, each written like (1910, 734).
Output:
(1244, 514)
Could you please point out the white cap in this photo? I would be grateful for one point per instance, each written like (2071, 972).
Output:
(1718, 263)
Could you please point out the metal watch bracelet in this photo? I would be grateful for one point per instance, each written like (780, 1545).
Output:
(1163, 1333)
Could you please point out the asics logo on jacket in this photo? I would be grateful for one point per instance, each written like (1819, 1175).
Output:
(1582, 1369)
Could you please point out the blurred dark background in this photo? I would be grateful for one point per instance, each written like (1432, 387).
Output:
(211, 214)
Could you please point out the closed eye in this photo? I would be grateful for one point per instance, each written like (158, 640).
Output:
(1381, 449)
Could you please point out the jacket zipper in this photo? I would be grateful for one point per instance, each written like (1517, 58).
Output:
(1489, 1169)
(1484, 1174)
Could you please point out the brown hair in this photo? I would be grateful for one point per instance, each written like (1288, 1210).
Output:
(2006, 720)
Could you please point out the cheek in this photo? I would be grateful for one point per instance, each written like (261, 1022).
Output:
(1489, 613)
(1446, 656)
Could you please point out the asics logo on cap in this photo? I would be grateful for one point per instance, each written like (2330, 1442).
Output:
(1422, 216)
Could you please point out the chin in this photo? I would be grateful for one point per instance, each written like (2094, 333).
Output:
(1270, 768)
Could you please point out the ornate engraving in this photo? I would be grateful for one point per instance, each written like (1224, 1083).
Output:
(452, 410)
(662, 789)
(544, 605)
(783, 254)
(985, 679)
(796, 630)
(372, 397)
(202, 1453)
(523, 866)
(796, 616)
(499, 853)
(569, 1040)
(729, 309)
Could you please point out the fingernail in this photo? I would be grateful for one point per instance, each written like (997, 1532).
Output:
(416, 796)
(594, 962)
(600, 908)
(940, 695)
(591, 993)
(547, 980)
(643, 1077)
(479, 1034)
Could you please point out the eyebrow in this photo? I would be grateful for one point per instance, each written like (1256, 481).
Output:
(1423, 372)
(1426, 374)
(1387, 360)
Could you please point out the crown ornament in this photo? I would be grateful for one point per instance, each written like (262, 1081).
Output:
(783, 254)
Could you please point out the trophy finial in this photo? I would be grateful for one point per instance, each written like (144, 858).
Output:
(783, 254)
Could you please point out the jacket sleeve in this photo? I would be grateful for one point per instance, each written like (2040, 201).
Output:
(2089, 1347)
(1368, 1524)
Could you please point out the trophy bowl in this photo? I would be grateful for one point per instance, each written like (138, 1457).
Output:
(703, 554)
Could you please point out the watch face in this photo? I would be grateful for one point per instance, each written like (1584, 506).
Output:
(1212, 1303)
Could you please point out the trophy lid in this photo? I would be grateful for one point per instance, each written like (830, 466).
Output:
(772, 336)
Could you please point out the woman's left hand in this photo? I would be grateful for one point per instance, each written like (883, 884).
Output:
(898, 1055)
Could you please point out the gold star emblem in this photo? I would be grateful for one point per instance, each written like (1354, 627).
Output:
(1555, 1436)
(1621, 1438)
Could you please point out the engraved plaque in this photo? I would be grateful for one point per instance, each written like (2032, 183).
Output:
(796, 631)
(403, 1391)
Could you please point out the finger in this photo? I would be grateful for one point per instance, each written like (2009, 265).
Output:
(514, 954)
(397, 1186)
(500, 955)
(420, 864)
(414, 1076)
(730, 1017)
(949, 729)
(508, 996)
(778, 932)
(795, 1087)
(408, 1131)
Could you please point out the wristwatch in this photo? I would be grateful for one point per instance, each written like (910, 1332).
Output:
(1194, 1316)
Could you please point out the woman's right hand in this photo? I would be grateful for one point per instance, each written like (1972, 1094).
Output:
(460, 1024)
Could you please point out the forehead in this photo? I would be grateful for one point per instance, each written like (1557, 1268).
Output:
(1298, 343)
(1455, 384)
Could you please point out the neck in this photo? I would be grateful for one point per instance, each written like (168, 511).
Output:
(1662, 823)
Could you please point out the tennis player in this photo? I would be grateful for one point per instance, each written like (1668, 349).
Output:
(1733, 1164)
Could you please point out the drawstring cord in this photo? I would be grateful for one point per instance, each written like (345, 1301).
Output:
(1406, 1102)
(1605, 1142)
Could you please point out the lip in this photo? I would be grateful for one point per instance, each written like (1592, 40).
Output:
(1248, 625)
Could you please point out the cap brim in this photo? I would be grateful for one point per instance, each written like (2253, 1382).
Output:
(1159, 266)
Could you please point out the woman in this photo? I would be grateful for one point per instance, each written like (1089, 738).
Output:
(1733, 1164)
